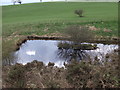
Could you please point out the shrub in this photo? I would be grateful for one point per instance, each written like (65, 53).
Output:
(78, 74)
(79, 34)
(73, 48)
(79, 13)
(93, 74)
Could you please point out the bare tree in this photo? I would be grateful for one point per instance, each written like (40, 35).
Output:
(14, 1)
(18, 1)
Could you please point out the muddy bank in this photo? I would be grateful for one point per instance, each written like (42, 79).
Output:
(107, 40)
(103, 40)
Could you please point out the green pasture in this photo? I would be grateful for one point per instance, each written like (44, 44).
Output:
(33, 18)
(59, 12)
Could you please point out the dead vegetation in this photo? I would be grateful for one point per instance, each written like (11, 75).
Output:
(83, 74)
(94, 74)
(79, 34)
(36, 75)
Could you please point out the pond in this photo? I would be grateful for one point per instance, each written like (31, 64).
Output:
(48, 51)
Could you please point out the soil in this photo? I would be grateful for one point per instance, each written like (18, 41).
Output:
(93, 28)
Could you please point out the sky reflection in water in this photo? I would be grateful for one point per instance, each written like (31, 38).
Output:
(47, 51)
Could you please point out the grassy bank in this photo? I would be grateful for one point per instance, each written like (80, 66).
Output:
(45, 18)
(62, 11)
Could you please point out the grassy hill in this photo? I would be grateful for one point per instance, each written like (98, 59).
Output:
(28, 19)
(56, 12)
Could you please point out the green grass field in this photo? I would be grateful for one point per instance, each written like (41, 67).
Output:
(54, 17)
(33, 18)
(56, 12)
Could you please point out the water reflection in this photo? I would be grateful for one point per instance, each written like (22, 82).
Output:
(47, 51)
(69, 54)
(41, 50)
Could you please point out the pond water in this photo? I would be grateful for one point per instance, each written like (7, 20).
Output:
(47, 51)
